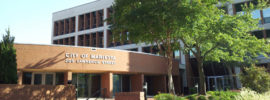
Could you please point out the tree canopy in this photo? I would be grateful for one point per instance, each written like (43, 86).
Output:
(152, 22)
(8, 64)
(212, 35)
(204, 29)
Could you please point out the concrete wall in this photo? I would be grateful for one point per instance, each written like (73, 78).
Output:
(37, 92)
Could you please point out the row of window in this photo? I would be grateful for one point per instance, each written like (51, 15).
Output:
(86, 21)
(91, 20)
(256, 14)
(43, 78)
(64, 26)
(65, 41)
(122, 39)
(91, 40)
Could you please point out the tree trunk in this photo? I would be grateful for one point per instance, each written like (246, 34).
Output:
(170, 65)
(202, 86)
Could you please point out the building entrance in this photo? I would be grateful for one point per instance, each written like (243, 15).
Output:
(215, 83)
(121, 83)
(88, 85)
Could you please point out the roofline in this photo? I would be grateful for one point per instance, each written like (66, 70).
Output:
(76, 6)
(87, 47)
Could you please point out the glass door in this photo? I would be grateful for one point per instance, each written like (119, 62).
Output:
(215, 83)
(117, 80)
(88, 85)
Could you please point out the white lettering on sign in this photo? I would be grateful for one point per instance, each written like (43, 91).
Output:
(94, 58)
(103, 57)
(71, 55)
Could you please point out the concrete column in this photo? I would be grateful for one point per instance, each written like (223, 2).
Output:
(107, 84)
(105, 16)
(230, 9)
(76, 40)
(105, 35)
(20, 76)
(76, 25)
(137, 82)
(140, 49)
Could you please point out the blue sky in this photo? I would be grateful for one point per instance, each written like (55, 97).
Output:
(30, 21)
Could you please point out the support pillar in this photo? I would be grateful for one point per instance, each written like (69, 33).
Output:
(107, 84)
(20, 76)
(67, 77)
(137, 82)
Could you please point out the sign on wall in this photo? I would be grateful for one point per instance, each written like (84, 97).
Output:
(89, 58)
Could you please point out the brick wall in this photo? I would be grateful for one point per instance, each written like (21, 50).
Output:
(37, 92)
(129, 96)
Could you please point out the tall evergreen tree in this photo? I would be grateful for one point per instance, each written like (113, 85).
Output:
(8, 64)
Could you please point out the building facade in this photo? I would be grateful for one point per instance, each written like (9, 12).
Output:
(84, 25)
(94, 71)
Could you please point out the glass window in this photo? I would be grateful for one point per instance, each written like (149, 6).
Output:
(117, 83)
(256, 15)
(37, 79)
(59, 78)
(266, 15)
(177, 54)
(27, 77)
(49, 79)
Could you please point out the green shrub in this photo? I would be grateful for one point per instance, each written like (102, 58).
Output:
(256, 78)
(201, 98)
(191, 97)
(213, 98)
(166, 96)
(222, 95)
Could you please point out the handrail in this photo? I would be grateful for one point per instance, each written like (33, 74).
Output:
(99, 91)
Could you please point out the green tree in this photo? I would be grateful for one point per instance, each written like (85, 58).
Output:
(212, 35)
(152, 22)
(204, 29)
(8, 64)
